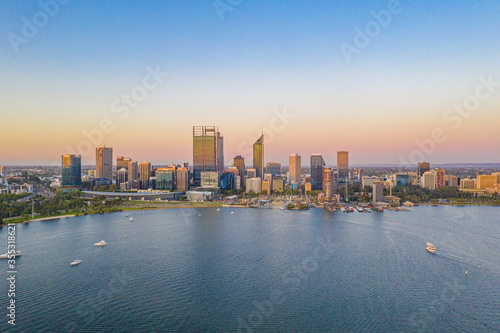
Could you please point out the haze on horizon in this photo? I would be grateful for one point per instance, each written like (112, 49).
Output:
(240, 68)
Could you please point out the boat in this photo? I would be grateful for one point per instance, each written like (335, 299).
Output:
(76, 262)
(232, 212)
(368, 210)
(101, 243)
(218, 209)
(360, 209)
(126, 215)
(131, 219)
(6, 255)
(431, 248)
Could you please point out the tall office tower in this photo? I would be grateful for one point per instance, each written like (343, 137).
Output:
(294, 168)
(133, 171)
(145, 170)
(423, 168)
(239, 162)
(343, 167)
(429, 180)
(273, 168)
(327, 185)
(3, 171)
(439, 178)
(317, 164)
(258, 156)
(71, 170)
(122, 162)
(121, 176)
(104, 163)
(378, 191)
(208, 151)
(251, 173)
(182, 176)
(453, 181)
(165, 179)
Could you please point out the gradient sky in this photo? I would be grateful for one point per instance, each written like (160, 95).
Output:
(236, 72)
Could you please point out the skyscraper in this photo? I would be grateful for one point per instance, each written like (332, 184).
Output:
(378, 191)
(423, 168)
(208, 151)
(104, 163)
(294, 168)
(239, 162)
(317, 164)
(342, 167)
(3, 171)
(273, 168)
(258, 156)
(122, 162)
(133, 171)
(71, 170)
(428, 180)
(182, 177)
(145, 170)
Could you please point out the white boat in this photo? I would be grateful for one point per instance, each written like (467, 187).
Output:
(101, 243)
(218, 209)
(76, 262)
(368, 210)
(131, 219)
(6, 255)
(232, 212)
(360, 209)
(126, 215)
(431, 248)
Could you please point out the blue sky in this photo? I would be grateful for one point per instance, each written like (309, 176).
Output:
(263, 55)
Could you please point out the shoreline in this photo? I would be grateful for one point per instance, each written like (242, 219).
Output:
(182, 206)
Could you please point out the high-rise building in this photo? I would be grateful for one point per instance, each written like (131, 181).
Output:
(227, 181)
(498, 177)
(182, 181)
(145, 171)
(266, 186)
(122, 162)
(423, 168)
(121, 176)
(317, 164)
(328, 181)
(273, 168)
(453, 181)
(258, 156)
(133, 171)
(251, 173)
(71, 170)
(208, 151)
(294, 168)
(485, 181)
(440, 175)
(342, 167)
(402, 179)
(429, 180)
(239, 162)
(3, 171)
(278, 184)
(378, 191)
(104, 163)
(165, 179)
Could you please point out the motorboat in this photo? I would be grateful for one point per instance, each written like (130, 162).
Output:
(126, 215)
(431, 248)
(76, 262)
(131, 219)
(218, 209)
(101, 243)
(6, 255)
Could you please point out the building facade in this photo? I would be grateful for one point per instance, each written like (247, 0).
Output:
(71, 170)
(145, 172)
(104, 163)
(317, 164)
(258, 156)
(208, 151)
(294, 168)
(239, 163)
(342, 167)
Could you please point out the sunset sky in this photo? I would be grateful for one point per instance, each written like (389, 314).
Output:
(239, 68)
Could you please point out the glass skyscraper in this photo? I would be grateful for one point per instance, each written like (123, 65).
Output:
(342, 167)
(273, 168)
(317, 164)
(71, 170)
(208, 151)
(104, 163)
(258, 157)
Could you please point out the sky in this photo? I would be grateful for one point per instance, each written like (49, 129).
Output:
(389, 81)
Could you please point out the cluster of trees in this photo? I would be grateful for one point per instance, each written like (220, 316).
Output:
(62, 202)
(106, 188)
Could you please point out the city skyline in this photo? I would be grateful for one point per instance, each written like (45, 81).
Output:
(185, 64)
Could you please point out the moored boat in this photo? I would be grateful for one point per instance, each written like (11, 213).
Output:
(101, 243)
(6, 255)
(76, 262)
